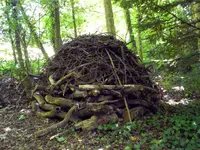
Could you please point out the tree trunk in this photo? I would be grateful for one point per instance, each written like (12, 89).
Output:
(33, 32)
(17, 37)
(24, 44)
(13, 46)
(10, 32)
(52, 32)
(129, 27)
(140, 49)
(58, 40)
(73, 17)
(109, 17)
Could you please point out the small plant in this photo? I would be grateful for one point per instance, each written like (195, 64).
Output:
(112, 125)
(21, 117)
(128, 148)
(60, 139)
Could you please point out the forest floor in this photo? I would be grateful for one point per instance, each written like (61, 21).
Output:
(178, 128)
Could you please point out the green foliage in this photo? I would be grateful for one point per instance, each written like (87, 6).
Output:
(191, 80)
(112, 125)
(168, 33)
(21, 117)
(37, 65)
(183, 74)
(66, 21)
(177, 130)
(128, 148)
(9, 69)
(60, 139)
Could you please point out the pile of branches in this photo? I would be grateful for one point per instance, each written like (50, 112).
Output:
(91, 80)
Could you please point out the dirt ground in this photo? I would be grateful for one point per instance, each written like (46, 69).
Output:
(18, 125)
(17, 132)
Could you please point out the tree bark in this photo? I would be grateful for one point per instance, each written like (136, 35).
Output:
(26, 55)
(109, 17)
(13, 47)
(15, 13)
(58, 40)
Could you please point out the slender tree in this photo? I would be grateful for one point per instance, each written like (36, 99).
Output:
(109, 17)
(13, 45)
(10, 29)
(73, 17)
(52, 32)
(55, 34)
(140, 47)
(126, 5)
(15, 14)
(25, 51)
(33, 32)
(58, 40)
(129, 27)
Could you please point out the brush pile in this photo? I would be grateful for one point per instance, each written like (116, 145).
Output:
(92, 80)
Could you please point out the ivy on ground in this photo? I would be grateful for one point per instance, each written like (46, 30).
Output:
(178, 130)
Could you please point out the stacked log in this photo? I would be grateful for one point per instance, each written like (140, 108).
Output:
(92, 80)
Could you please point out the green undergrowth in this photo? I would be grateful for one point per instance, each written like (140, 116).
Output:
(178, 129)
(9, 69)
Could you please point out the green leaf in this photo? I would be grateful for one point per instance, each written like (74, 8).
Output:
(60, 139)
(100, 127)
(175, 142)
(198, 131)
(127, 148)
(21, 117)
(182, 143)
(186, 134)
(198, 145)
(137, 146)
